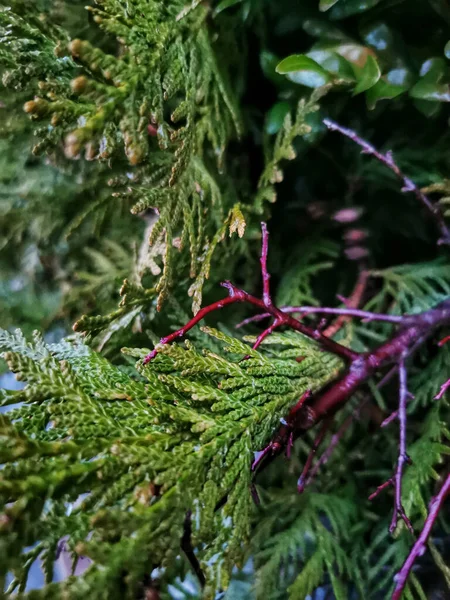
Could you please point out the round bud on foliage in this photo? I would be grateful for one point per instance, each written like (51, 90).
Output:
(79, 84)
(30, 107)
(75, 47)
(37, 107)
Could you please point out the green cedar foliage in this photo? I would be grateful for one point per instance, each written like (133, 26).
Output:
(155, 137)
(91, 434)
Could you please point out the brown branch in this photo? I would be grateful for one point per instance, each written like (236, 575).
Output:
(407, 184)
(420, 546)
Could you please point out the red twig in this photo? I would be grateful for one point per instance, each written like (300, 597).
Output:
(262, 336)
(237, 295)
(301, 483)
(353, 302)
(407, 184)
(394, 415)
(444, 388)
(284, 436)
(403, 458)
(399, 511)
(420, 546)
(344, 312)
(263, 261)
(380, 488)
(350, 312)
(444, 340)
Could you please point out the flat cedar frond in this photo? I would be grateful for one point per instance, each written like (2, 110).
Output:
(412, 288)
(131, 454)
(160, 101)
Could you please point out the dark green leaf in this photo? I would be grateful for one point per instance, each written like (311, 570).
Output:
(430, 85)
(299, 68)
(431, 91)
(333, 63)
(383, 90)
(367, 76)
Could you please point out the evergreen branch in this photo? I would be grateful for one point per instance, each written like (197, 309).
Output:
(408, 185)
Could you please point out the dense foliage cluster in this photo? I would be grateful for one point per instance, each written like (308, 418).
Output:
(142, 142)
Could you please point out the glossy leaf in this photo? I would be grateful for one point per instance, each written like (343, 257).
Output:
(430, 85)
(383, 90)
(367, 76)
(424, 90)
(333, 63)
(301, 69)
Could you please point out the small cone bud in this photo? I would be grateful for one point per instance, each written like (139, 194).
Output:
(79, 84)
(75, 47)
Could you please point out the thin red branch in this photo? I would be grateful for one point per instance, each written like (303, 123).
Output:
(380, 488)
(344, 312)
(262, 336)
(353, 301)
(444, 340)
(284, 436)
(263, 261)
(237, 295)
(301, 483)
(407, 184)
(394, 415)
(420, 546)
(444, 388)
(399, 511)
(348, 312)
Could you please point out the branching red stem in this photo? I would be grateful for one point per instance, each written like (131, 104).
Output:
(237, 295)
(420, 546)
(407, 184)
